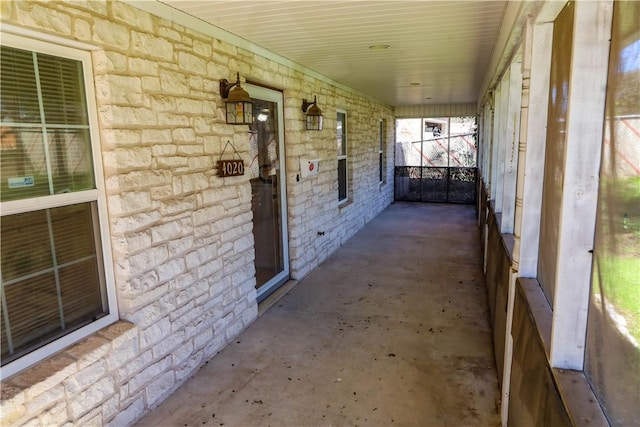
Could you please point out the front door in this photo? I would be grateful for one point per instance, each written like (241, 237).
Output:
(268, 190)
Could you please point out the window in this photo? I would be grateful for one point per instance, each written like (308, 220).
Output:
(381, 151)
(436, 142)
(436, 159)
(341, 132)
(53, 283)
(612, 360)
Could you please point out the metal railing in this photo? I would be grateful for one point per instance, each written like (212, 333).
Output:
(440, 169)
(435, 184)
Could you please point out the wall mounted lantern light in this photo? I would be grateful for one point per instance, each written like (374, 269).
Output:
(314, 114)
(238, 103)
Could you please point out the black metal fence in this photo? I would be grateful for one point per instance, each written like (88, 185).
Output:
(435, 184)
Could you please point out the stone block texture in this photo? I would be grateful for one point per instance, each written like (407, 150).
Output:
(181, 236)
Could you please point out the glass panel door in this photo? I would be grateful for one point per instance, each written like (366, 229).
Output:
(268, 191)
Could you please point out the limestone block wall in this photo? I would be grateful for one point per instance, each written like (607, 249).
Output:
(313, 202)
(181, 236)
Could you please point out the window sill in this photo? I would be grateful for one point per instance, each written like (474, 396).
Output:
(574, 389)
(59, 378)
(582, 405)
(540, 310)
(345, 203)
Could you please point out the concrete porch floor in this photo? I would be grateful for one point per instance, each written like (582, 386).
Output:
(391, 330)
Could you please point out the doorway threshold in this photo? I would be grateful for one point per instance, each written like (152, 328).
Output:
(269, 301)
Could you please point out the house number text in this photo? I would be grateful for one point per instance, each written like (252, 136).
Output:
(230, 168)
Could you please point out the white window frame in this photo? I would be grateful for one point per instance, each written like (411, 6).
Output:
(585, 124)
(381, 146)
(494, 183)
(532, 176)
(511, 122)
(344, 157)
(96, 195)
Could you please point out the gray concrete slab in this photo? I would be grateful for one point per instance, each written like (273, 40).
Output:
(391, 330)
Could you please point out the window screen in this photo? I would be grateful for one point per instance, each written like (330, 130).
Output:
(554, 162)
(612, 361)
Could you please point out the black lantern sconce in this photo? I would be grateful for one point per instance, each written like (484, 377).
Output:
(238, 103)
(314, 114)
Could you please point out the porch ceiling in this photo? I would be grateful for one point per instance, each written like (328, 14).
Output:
(443, 46)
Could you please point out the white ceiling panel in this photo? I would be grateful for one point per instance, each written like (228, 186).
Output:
(439, 51)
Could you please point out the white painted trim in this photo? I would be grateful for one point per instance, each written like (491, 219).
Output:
(39, 45)
(509, 30)
(495, 142)
(278, 98)
(512, 137)
(511, 33)
(502, 137)
(98, 171)
(345, 156)
(487, 146)
(535, 140)
(550, 11)
(381, 150)
(585, 116)
(508, 348)
(10, 29)
(47, 202)
(480, 141)
(486, 240)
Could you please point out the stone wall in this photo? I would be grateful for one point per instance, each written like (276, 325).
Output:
(181, 236)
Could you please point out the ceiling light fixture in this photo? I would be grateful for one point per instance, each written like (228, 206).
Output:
(380, 47)
(263, 116)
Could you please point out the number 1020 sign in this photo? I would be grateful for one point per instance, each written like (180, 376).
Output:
(230, 167)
